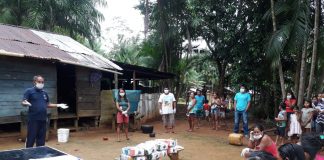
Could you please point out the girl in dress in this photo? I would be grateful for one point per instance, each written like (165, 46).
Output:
(307, 115)
(295, 129)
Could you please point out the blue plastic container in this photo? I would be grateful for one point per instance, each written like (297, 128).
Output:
(133, 96)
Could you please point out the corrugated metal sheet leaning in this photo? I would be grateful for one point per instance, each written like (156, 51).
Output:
(84, 55)
(22, 42)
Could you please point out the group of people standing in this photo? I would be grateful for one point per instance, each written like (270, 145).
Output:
(292, 121)
(303, 127)
(212, 110)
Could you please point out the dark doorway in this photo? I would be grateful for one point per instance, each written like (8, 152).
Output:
(66, 90)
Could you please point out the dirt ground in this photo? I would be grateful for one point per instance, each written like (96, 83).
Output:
(202, 144)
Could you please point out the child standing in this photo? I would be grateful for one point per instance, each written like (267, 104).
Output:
(306, 116)
(191, 111)
(295, 129)
(281, 123)
(207, 111)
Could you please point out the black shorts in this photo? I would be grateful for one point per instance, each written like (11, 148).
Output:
(281, 131)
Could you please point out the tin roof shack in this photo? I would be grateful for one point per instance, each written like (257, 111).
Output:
(72, 73)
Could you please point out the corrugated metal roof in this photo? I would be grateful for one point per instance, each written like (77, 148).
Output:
(22, 42)
(75, 49)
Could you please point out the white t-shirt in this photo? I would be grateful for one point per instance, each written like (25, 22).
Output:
(167, 103)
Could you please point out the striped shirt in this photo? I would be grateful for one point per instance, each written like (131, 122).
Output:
(320, 117)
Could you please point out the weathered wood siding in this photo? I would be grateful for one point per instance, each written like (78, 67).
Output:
(88, 95)
(16, 76)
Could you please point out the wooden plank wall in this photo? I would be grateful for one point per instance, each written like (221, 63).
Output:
(88, 95)
(108, 107)
(16, 76)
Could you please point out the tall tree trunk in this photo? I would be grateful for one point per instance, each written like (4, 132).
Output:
(297, 74)
(281, 76)
(163, 27)
(301, 89)
(314, 54)
(189, 41)
(221, 67)
(146, 18)
(19, 15)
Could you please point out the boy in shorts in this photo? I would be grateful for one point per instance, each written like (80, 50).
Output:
(281, 120)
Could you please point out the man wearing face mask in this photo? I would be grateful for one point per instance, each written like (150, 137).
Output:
(37, 101)
(167, 106)
(241, 106)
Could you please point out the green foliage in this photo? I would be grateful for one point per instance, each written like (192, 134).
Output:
(129, 51)
(69, 17)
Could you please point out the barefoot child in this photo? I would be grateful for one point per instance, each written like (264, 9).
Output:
(281, 123)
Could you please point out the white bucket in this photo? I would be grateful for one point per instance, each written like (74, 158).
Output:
(63, 135)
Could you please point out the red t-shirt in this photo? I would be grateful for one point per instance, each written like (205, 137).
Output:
(289, 104)
(206, 106)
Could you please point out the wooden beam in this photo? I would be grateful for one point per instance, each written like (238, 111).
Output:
(116, 80)
(134, 80)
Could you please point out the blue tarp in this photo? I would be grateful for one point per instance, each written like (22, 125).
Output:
(133, 96)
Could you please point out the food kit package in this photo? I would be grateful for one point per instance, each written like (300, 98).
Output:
(140, 158)
(125, 157)
(161, 145)
(172, 150)
(155, 156)
(170, 142)
(149, 147)
(163, 153)
(133, 151)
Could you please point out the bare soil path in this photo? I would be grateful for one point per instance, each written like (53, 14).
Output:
(202, 144)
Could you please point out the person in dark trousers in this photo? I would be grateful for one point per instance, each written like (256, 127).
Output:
(241, 106)
(37, 101)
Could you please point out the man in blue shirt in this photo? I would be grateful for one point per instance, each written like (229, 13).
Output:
(199, 107)
(37, 100)
(241, 106)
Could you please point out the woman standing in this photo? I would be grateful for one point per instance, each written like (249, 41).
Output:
(215, 109)
(290, 102)
(191, 111)
(123, 106)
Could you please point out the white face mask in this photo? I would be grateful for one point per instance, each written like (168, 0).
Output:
(289, 97)
(122, 94)
(257, 137)
(242, 90)
(322, 99)
(166, 91)
(39, 85)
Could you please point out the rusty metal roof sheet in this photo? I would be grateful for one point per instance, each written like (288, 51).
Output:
(84, 55)
(22, 42)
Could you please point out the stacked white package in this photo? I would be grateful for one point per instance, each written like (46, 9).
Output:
(172, 150)
(163, 153)
(149, 147)
(155, 156)
(151, 150)
(133, 151)
(161, 145)
(125, 157)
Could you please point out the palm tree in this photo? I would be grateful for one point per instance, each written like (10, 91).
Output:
(281, 76)
(314, 54)
(74, 18)
(293, 28)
